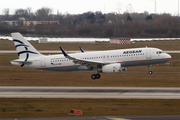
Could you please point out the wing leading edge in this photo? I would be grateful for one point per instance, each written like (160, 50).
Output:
(88, 63)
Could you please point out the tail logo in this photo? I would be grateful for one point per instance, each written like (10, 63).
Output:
(22, 52)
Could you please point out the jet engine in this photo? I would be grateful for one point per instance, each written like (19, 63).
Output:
(110, 68)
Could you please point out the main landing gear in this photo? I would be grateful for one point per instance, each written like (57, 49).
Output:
(95, 76)
(150, 72)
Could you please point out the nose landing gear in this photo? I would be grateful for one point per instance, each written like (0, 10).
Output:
(150, 72)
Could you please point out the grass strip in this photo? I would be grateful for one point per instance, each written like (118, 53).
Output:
(34, 107)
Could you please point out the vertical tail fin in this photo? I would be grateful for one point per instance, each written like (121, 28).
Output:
(24, 49)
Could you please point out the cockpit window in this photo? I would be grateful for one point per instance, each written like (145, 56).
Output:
(159, 52)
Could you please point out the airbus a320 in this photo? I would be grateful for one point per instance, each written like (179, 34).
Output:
(109, 61)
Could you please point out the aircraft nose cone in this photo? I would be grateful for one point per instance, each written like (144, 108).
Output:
(168, 56)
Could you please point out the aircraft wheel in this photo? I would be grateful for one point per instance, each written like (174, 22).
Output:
(93, 76)
(98, 76)
(150, 72)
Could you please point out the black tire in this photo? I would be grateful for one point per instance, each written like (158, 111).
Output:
(98, 76)
(150, 72)
(93, 76)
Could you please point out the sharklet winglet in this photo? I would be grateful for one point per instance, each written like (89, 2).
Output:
(81, 49)
(64, 53)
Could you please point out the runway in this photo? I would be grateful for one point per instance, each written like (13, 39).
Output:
(90, 92)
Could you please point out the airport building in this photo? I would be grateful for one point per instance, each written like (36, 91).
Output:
(32, 23)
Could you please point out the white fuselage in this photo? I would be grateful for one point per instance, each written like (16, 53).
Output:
(126, 57)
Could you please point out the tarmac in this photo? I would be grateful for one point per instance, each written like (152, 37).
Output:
(93, 92)
(90, 92)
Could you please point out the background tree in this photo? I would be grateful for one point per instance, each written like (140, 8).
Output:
(6, 14)
(29, 13)
(21, 13)
(129, 18)
(92, 24)
(91, 18)
(44, 14)
(149, 17)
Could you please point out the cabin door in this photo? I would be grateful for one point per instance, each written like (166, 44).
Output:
(148, 54)
(43, 62)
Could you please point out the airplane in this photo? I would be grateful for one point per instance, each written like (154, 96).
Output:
(109, 61)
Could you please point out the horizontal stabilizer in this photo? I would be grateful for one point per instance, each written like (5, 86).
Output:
(21, 62)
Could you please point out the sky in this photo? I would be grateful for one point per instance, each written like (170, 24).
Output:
(105, 6)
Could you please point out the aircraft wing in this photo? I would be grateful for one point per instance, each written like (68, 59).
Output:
(88, 63)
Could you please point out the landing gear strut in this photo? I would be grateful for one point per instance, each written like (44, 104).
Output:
(150, 72)
(95, 76)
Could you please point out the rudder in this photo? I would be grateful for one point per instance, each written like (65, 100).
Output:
(24, 49)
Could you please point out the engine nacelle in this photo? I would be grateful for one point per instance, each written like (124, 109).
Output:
(110, 68)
